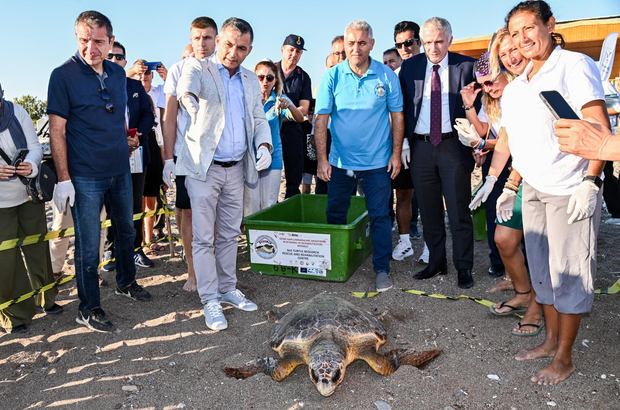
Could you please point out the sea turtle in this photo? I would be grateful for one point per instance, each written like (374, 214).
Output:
(327, 333)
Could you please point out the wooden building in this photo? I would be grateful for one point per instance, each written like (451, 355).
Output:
(583, 35)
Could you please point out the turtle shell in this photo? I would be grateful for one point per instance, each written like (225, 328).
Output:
(327, 313)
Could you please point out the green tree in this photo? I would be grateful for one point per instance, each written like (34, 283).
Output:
(35, 107)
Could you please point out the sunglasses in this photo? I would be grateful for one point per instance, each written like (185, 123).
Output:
(119, 57)
(269, 77)
(487, 83)
(109, 107)
(407, 43)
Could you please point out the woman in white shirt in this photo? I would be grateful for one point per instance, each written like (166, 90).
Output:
(509, 231)
(561, 192)
(19, 218)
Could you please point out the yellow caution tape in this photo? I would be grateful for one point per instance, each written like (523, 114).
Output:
(63, 233)
(36, 292)
(363, 295)
(612, 290)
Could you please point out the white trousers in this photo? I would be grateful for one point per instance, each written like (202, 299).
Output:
(218, 200)
(263, 193)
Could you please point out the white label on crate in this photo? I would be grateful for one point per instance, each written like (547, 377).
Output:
(305, 250)
(367, 229)
(313, 271)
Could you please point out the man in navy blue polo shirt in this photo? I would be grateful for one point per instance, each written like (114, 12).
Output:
(298, 89)
(361, 95)
(86, 106)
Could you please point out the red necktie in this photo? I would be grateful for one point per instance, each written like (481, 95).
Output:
(435, 133)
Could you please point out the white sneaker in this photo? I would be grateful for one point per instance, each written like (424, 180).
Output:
(402, 251)
(214, 317)
(425, 255)
(237, 299)
(613, 221)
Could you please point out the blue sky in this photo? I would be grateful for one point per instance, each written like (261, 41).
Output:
(36, 35)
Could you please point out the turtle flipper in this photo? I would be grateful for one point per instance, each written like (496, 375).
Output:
(389, 362)
(277, 369)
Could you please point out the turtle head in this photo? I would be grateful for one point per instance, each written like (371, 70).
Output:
(327, 371)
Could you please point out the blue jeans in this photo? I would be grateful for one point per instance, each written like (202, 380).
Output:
(376, 184)
(90, 196)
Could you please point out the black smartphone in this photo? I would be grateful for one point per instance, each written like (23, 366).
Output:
(558, 105)
(19, 157)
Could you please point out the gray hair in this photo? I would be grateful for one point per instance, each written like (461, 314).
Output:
(359, 25)
(438, 23)
(93, 18)
(240, 25)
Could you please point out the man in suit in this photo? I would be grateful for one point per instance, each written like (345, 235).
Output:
(140, 115)
(441, 165)
(228, 141)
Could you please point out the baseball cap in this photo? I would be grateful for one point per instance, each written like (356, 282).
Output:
(295, 41)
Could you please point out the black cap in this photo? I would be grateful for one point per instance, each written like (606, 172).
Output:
(295, 41)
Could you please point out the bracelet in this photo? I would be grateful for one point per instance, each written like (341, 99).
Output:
(511, 187)
(467, 108)
(480, 146)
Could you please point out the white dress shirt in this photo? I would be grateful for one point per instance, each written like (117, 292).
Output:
(423, 127)
(232, 144)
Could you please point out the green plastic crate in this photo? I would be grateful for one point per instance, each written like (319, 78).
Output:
(301, 220)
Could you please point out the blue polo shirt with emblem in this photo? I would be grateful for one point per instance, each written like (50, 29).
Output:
(96, 138)
(359, 109)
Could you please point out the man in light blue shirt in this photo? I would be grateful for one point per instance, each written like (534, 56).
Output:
(227, 123)
(361, 95)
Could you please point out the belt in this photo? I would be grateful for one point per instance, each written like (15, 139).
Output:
(225, 164)
(427, 137)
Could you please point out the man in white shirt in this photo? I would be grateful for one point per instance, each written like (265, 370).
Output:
(227, 125)
(202, 37)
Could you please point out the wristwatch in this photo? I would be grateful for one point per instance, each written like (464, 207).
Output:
(467, 108)
(594, 179)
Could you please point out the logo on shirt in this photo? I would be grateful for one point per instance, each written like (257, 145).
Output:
(135, 95)
(380, 90)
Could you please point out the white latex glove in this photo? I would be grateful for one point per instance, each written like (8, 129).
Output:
(168, 174)
(191, 106)
(263, 158)
(484, 192)
(468, 136)
(405, 157)
(582, 202)
(505, 204)
(64, 193)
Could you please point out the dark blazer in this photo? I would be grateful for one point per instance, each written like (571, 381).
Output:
(140, 114)
(412, 74)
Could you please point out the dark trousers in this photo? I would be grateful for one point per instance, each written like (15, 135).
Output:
(415, 209)
(611, 190)
(17, 278)
(443, 173)
(376, 185)
(293, 152)
(490, 207)
(137, 185)
(90, 196)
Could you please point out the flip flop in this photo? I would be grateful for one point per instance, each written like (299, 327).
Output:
(539, 328)
(520, 309)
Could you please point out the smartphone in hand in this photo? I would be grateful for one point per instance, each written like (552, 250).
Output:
(132, 132)
(558, 105)
(153, 66)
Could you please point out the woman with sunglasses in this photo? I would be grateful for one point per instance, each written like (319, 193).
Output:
(508, 233)
(278, 108)
(561, 192)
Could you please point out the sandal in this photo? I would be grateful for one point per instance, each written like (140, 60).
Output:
(513, 309)
(539, 328)
(156, 247)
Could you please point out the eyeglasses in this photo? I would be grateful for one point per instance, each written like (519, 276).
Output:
(407, 43)
(269, 77)
(119, 57)
(109, 107)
